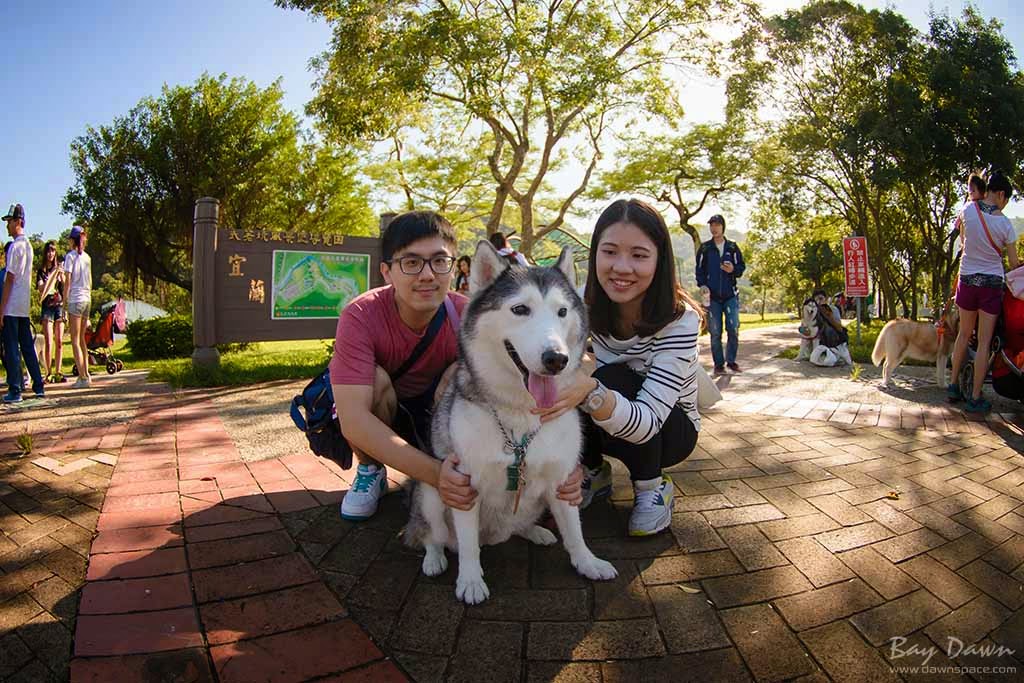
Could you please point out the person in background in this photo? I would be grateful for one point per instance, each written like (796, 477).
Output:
(78, 295)
(719, 265)
(500, 242)
(987, 233)
(15, 326)
(50, 285)
(462, 279)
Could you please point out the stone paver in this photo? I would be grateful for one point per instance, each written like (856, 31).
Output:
(808, 533)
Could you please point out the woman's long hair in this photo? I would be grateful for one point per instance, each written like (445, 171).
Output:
(46, 265)
(665, 300)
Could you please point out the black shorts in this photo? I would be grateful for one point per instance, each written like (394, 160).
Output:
(412, 423)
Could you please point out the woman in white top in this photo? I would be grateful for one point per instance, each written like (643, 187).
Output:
(640, 404)
(979, 291)
(77, 294)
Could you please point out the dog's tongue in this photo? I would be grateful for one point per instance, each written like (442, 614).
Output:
(543, 389)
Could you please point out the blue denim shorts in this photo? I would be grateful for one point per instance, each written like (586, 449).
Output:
(51, 313)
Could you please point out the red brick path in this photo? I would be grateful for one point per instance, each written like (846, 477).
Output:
(193, 577)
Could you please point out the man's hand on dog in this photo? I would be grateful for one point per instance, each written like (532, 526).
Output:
(454, 486)
(568, 398)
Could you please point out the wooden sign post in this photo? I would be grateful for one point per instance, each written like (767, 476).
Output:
(272, 284)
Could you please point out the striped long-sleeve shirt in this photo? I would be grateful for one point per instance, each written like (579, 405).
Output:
(668, 362)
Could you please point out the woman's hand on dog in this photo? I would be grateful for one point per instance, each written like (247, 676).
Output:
(454, 486)
(568, 398)
(571, 490)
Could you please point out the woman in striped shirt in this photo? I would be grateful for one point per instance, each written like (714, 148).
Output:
(640, 404)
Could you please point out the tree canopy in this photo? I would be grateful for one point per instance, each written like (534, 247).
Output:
(137, 178)
(544, 77)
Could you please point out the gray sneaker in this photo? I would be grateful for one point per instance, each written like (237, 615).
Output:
(652, 509)
(596, 484)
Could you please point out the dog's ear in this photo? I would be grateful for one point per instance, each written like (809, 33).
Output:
(566, 265)
(486, 267)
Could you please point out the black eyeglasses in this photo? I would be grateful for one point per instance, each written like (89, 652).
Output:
(413, 265)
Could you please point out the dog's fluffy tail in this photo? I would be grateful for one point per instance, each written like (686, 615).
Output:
(878, 353)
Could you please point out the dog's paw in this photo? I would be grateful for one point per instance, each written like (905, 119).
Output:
(471, 591)
(540, 536)
(596, 569)
(435, 563)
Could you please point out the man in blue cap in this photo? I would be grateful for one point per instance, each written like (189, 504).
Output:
(14, 305)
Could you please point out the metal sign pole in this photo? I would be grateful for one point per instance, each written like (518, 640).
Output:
(858, 318)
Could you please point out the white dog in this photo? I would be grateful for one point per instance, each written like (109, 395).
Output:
(808, 329)
(522, 333)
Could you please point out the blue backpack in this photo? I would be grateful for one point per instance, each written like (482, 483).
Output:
(320, 423)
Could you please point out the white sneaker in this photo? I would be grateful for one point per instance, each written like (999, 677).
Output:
(82, 383)
(597, 484)
(652, 509)
(360, 503)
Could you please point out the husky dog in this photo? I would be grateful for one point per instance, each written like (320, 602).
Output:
(902, 338)
(522, 333)
(809, 329)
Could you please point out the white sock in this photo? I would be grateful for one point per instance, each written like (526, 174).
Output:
(368, 469)
(647, 484)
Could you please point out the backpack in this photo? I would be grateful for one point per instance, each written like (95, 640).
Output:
(320, 423)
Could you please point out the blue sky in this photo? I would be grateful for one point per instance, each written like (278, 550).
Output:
(65, 68)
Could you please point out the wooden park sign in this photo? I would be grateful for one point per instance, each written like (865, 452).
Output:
(270, 284)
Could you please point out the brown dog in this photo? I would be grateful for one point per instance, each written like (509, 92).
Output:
(903, 338)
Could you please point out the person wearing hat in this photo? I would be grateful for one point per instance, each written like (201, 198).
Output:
(78, 294)
(719, 265)
(19, 343)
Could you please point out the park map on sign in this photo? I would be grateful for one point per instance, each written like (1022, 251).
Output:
(314, 284)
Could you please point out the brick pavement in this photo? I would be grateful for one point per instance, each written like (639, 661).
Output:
(799, 547)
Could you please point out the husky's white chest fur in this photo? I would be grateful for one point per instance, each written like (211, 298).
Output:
(486, 457)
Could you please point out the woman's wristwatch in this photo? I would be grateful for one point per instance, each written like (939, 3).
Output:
(595, 399)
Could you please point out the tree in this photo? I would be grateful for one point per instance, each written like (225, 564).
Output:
(882, 124)
(137, 179)
(708, 161)
(818, 261)
(544, 77)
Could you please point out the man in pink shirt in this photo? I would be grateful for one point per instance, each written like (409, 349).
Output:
(383, 406)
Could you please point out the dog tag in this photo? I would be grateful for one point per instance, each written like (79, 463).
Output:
(520, 485)
(512, 475)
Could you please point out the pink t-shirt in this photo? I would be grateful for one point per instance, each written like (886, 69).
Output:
(371, 333)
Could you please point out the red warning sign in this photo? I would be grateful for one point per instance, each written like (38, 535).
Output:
(855, 265)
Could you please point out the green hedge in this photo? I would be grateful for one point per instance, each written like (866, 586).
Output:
(166, 337)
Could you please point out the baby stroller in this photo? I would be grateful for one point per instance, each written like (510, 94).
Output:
(100, 341)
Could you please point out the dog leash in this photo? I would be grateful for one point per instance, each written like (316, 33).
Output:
(516, 472)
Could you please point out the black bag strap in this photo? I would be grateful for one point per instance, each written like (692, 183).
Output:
(432, 329)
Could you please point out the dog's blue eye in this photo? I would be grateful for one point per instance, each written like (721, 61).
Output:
(562, 312)
(521, 310)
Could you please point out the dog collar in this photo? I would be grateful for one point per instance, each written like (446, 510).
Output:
(516, 472)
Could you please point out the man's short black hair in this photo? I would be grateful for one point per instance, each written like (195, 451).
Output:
(822, 292)
(413, 226)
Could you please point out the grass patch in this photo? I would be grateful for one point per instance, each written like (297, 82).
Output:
(264, 362)
(861, 352)
(750, 321)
